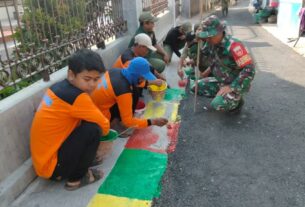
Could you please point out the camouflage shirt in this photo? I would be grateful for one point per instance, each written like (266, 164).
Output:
(190, 51)
(230, 63)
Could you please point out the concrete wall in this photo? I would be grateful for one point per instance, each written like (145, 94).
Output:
(163, 25)
(17, 111)
(191, 8)
(11, 10)
(16, 114)
(186, 8)
(195, 7)
(3, 13)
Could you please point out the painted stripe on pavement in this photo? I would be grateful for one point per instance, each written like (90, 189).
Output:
(100, 200)
(136, 175)
(135, 179)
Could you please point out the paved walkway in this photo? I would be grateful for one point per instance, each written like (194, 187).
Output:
(256, 158)
(299, 47)
(133, 170)
(230, 153)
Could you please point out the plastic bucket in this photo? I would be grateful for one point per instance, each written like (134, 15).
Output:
(106, 144)
(112, 135)
(157, 92)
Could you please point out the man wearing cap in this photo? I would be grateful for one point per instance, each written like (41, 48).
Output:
(230, 64)
(176, 39)
(115, 90)
(190, 52)
(159, 58)
(142, 45)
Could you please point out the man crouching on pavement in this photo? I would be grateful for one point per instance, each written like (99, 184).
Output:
(113, 95)
(230, 64)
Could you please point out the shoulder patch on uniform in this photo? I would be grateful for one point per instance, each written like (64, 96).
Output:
(240, 54)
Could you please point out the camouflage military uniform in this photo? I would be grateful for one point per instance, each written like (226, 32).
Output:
(230, 64)
(191, 52)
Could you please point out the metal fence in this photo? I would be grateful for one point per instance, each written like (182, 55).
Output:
(37, 36)
(155, 6)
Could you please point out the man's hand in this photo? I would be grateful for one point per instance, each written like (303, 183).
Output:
(159, 76)
(180, 73)
(190, 62)
(205, 73)
(166, 58)
(157, 82)
(224, 90)
(159, 121)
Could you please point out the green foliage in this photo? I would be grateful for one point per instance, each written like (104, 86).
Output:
(45, 19)
(13, 89)
(7, 91)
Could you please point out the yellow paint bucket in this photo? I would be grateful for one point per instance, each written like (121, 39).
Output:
(157, 92)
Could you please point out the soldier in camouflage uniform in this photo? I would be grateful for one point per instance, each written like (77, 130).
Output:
(229, 63)
(189, 51)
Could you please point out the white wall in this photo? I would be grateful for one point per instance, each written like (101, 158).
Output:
(11, 10)
(288, 20)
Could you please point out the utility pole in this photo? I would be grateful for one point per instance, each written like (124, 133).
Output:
(174, 11)
(201, 9)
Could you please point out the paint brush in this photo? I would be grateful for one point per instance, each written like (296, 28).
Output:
(127, 130)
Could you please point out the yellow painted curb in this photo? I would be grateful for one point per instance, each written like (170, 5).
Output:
(102, 200)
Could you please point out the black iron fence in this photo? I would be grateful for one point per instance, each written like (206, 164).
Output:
(155, 6)
(37, 36)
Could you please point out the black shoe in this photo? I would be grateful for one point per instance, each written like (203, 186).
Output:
(238, 108)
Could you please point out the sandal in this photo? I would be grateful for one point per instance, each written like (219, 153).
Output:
(97, 175)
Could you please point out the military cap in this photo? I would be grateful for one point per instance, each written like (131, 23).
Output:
(147, 17)
(211, 26)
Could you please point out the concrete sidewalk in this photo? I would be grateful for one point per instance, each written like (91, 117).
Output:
(255, 158)
(45, 193)
(274, 30)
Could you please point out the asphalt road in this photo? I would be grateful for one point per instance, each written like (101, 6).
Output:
(255, 158)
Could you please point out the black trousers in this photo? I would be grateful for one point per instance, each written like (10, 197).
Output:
(77, 152)
(225, 11)
(136, 94)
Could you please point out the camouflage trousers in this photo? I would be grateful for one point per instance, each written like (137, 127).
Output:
(209, 87)
(156, 61)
